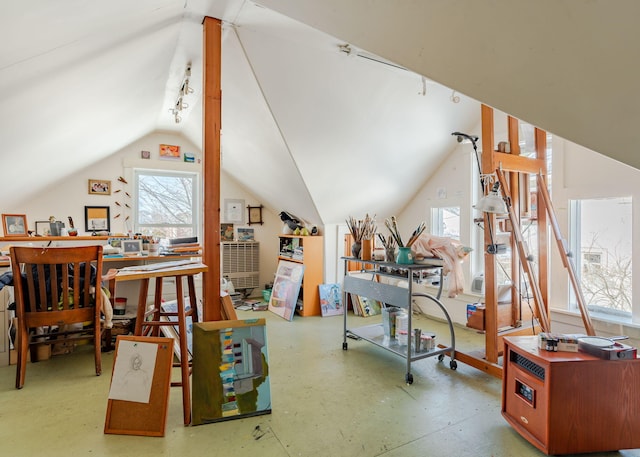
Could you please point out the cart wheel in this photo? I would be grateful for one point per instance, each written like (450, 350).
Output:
(453, 365)
(440, 357)
(345, 346)
(409, 378)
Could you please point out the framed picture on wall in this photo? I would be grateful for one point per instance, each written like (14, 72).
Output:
(233, 211)
(14, 224)
(99, 187)
(96, 219)
(169, 152)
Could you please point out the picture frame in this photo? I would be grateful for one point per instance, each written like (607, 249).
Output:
(233, 211)
(97, 219)
(131, 247)
(99, 187)
(15, 225)
(169, 152)
(43, 228)
(226, 232)
(255, 214)
(245, 234)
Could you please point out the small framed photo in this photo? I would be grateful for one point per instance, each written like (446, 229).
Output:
(131, 247)
(226, 232)
(96, 219)
(43, 228)
(99, 187)
(145, 154)
(14, 224)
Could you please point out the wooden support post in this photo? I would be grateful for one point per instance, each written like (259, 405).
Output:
(212, 115)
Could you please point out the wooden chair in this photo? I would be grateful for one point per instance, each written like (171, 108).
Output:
(53, 289)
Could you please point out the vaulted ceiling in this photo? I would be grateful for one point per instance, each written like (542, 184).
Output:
(308, 127)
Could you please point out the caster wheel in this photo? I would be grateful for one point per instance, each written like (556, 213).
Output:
(408, 378)
(453, 365)
(440, 357)
(345, 346)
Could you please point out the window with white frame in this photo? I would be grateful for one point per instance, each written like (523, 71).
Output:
(601, 240)
(446, 222)
(166, 203)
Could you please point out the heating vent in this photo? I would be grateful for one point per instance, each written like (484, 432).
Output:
(241, 264)
(527, 365)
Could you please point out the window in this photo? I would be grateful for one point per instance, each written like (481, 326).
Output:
(167, 203)
(446, 222)
(601, 232)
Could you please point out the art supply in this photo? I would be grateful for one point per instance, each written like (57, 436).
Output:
(417, 335)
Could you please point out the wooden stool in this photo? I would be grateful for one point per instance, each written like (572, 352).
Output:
(152, 326)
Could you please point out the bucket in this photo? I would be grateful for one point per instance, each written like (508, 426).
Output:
(120, 306)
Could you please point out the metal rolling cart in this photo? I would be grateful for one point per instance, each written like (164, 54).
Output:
(397, 296)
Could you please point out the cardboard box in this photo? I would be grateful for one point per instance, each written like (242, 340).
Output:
(476, 313)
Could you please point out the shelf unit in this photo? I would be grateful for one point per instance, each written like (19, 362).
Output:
(308, 251)
(397, 296)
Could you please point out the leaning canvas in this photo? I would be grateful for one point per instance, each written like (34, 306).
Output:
(286, 287)
(230, 378)
(330, 299)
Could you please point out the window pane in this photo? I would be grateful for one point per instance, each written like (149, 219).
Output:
(446, 222)
(602, 235)
(166, 204)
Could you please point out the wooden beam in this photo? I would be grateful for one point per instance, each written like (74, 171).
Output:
(212, 124)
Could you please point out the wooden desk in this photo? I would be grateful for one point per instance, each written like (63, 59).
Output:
(151, 327)
(570, 402)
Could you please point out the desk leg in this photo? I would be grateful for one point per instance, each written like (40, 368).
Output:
(142, 305)
(184, 359)
(157, 303)
(192, 299)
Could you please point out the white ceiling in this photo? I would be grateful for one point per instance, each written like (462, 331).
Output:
(306, 128)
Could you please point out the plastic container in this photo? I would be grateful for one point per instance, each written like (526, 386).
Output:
(266, 295)
(120, 306)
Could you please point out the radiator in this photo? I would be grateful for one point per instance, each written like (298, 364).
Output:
(241, 263)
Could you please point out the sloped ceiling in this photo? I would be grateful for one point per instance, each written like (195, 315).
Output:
(306, 127)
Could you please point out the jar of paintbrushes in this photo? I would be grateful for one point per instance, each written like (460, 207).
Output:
(404, 255)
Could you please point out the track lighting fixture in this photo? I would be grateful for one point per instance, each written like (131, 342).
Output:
(185, 89)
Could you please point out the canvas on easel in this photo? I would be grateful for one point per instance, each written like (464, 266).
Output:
(286, 287)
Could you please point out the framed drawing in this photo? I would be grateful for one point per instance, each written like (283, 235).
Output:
(140, 381)
(233, 211)
(14, 224)
(286, 287)
(96, 219)
(169, 152)
(230, 370)
(99, 187)
(255, 214)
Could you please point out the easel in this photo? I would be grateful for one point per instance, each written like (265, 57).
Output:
(515, 188)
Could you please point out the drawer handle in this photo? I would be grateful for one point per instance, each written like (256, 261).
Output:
(524, 419)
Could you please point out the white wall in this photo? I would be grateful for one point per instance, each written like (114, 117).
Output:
(69, 197)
